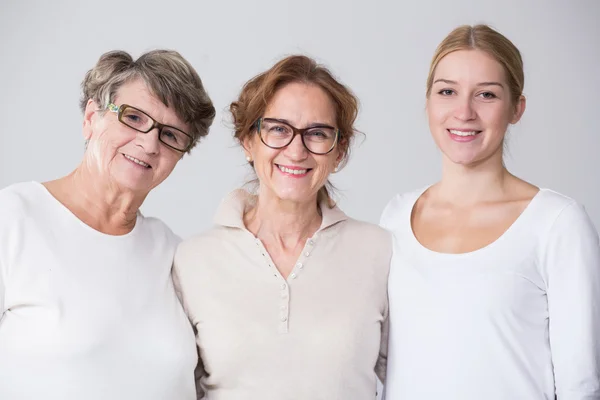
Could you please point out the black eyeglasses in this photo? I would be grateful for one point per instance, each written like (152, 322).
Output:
(142, 122)
(277, 134)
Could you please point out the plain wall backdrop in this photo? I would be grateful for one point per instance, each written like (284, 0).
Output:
(380, 49)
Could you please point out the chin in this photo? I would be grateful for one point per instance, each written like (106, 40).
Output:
(133, 184)
(296, 196)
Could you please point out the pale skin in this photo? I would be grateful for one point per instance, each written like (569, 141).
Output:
(107, 189)
(477, 199)
(286, 213)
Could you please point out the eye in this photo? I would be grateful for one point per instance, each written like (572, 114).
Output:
(170, 136)
(446, 92)
(278, 129)
(317, 133)
(132, 118)
(488, 95)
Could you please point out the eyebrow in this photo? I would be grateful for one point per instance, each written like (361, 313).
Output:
(312, 125)
(151, 117)
(449, 82)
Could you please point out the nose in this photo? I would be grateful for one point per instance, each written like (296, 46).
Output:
(149, 141)
(464, 110)
(296, 150)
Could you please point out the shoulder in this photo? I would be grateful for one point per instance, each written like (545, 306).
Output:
(399, 206)
(554, 207)
(562, 216)
(17, 199)
(366, 237)
(366, 230)
(158, 231)
(204, 246)
(551, 200)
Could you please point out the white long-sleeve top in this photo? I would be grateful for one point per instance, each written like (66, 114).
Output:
(516, 320)
(84, 315)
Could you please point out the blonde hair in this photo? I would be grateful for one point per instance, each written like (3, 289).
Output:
(168, 75)
(484, 38)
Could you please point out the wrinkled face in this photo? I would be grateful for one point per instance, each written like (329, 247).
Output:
(293, 173)
(469, 107)
(129, 159)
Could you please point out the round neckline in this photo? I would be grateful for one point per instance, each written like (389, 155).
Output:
(76, 219)
(513, 226)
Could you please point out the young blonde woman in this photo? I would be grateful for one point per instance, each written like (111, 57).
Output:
(495, 283)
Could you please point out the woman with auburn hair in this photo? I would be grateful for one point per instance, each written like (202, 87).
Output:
(287, 293)
(495, 283)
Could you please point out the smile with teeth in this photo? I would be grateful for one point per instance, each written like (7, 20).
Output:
(463, 133)
(292, 171)
(135, 160)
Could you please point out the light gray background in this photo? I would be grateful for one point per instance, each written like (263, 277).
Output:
(381, 49)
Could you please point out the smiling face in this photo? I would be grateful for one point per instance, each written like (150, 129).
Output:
(122, 156)
(469, 107)
(293, 173)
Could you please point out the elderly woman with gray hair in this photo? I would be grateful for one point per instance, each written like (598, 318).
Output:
(87, 305)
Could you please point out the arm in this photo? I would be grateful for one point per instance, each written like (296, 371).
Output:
(2, 290)
(570, 266)
(380, 367)
(199, 372)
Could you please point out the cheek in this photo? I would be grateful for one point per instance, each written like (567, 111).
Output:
(326, 165)
(171, 160)
(496, 118)
(112, 136)
(263, 160)
(438, 113)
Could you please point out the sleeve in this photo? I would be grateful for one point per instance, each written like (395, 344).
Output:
(387, 214)
(570, 265)
(9, 210)
(199, 372)
(380, 367)
(2, 290)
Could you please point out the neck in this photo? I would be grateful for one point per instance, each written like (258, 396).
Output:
(98, 202)
(468, 185)
(285, 222)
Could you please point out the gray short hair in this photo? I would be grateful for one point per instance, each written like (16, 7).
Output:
(168, 75)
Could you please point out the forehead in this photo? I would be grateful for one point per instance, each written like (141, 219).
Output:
(136, 93)
(301, 103)
(468, 66)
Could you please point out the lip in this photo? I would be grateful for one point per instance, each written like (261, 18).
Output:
(293, 168)
(127, 157)
(463, 139)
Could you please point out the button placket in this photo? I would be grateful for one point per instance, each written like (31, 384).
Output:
(306, 252)
(284, 306)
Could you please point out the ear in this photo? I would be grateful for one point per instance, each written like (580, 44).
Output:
(248, 144)
(90, 113)
(519, 110)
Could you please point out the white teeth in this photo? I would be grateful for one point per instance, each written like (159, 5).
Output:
(463, 133)
(292, 171)
(135, 160)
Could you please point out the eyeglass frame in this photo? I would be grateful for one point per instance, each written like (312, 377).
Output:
(297, 131)
(119, 111)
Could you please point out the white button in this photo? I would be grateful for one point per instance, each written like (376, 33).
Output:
(293, 276)
(311, 242)
(283, 286)
(307, 254)
(283, 319)
(299, 265)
